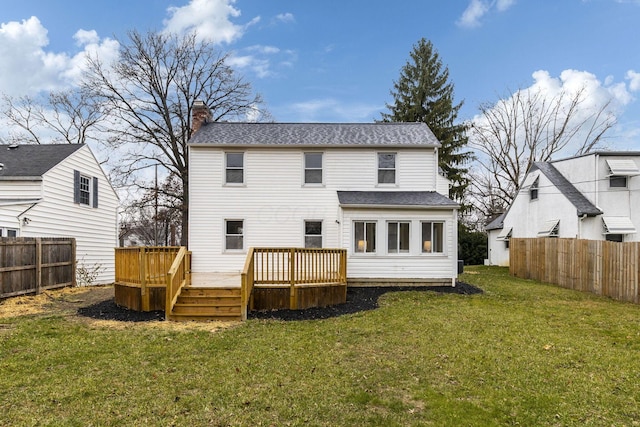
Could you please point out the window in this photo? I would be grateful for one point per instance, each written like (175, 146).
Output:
(364, 236)
(8, 232)
(234, 173)
(234, 235)
(313, 234)
(398, 237)
(614, 237)
(617, 181)
(85, 189)
(313, 168)
(386, 168)
(533, 191)
(432, 237)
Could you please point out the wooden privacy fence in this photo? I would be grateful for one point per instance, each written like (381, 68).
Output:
(34, 264)
(604, 268)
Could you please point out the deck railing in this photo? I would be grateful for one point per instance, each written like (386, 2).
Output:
(144, 267)
(292, 267)
(177, 277)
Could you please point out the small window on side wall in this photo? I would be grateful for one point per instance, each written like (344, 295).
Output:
(533, 191)
(617, 181)
(234, 235)
(85, 189)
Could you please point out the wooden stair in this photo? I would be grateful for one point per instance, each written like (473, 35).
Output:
(203, 304)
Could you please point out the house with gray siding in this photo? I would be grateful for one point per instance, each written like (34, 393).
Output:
(371, 188)
(60, 190)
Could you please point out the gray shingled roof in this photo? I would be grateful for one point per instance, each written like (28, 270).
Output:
(582, 204)
(421, 199)
(32, 161)
(315, 134)
(497, 223)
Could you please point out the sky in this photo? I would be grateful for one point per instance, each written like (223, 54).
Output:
(336, 61)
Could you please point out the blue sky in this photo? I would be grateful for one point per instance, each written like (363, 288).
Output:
(334, 61)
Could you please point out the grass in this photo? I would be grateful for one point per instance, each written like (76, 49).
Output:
(522, 353)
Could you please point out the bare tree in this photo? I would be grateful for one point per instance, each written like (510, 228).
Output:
(70, 116)
(528, 126)
(150, 92)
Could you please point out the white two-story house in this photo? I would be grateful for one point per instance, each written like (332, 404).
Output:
(372, 189)
(594, 196)
(60, 190)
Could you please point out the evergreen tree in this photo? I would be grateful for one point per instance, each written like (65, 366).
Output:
(423, 94)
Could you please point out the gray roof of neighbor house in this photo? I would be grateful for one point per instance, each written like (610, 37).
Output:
(582, 204)
(421, 199)
(497, 223)
(315, 134)
(33, 160)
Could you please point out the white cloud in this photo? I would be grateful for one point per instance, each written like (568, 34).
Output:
(285, 17)
(634, 80)
(211, 19)
(477, 9)
(260, 60)
(84, 37)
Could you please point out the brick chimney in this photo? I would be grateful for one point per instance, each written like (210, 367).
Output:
(200, 114)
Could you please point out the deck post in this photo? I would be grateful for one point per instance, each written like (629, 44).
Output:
(293, 300)
(144, 294)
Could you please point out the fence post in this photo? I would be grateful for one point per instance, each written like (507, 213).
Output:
(38, 244)
(293, 300)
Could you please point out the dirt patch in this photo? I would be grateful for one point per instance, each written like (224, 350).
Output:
(96, 305)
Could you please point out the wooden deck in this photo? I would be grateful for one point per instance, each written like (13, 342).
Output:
(273, 278)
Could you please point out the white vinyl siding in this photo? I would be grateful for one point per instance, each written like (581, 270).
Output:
(57, 215)
(274, 215)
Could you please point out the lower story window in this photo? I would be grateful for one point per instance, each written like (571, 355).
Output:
(614, 237)
(8, 232)
(398, 237)
(234, 234)
(313, 234)
(365, 236)
(432, 237)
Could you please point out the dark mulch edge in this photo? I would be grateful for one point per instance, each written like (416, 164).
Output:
(358, 299)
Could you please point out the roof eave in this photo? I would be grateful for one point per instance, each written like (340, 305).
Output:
(20, 178)
(396, 206)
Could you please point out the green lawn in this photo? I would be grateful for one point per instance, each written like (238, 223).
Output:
(522, 353)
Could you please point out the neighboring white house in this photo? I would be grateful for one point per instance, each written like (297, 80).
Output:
(373, 189)
(594, 196)
(60, 190)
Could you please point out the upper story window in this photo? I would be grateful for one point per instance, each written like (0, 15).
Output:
(533, 191)
(398, 237)
(234, 168)
(313, 168)
(364, 233)
(432, 237)
(386, 168)
(85, 189)
(620, 170)
(313, 234)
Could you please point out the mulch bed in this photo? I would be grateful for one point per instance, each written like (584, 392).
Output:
(358, 299)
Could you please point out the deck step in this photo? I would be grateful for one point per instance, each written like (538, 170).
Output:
(203, 304)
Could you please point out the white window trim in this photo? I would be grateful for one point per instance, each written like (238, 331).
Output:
(304, 232)
(353, 237)
(4, 231)
(622, 187)
(224, 236)
(244, 167)
(444, 239)
(399, 252)
(304, 170)
(395, 169)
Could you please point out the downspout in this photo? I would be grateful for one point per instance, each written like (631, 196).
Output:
(580, 219)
